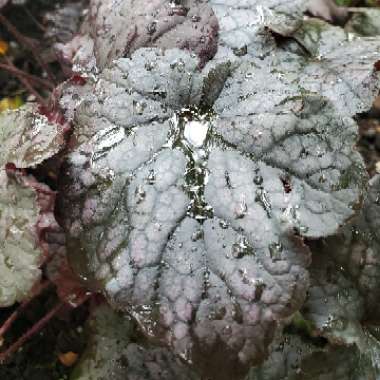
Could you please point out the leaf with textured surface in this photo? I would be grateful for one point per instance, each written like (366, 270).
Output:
(341, 67)
(120, 28)
(293, 358)
(112, 353)
(187, 218)
(242, 23)
(357, 250)
(26, 211)
(346, 282)
(28, 138)
(333, 304)
(63, 23)
(364, 21)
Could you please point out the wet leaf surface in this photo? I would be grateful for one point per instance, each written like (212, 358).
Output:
(365, 22)
(118, 29)
(192, 220)
(357, 249)
(213, 144)
(28, 137)
(243, 23)
(341, 66)
(112, 351)
(25, 214)
(296, 358)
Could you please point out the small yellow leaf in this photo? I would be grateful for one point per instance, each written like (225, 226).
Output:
(3, 47)
(11, 103)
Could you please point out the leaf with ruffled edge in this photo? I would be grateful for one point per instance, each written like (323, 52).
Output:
(186, 215)
(345, 280)
(242, 23)
(357, 250)
(364, 21)
(112, 352)
(334, 64)
(117, 29)
(26, 214)
(296, 358)
(343, 67)
(333, 304)
(28, 137)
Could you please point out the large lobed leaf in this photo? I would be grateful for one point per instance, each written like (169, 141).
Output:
(186, 213)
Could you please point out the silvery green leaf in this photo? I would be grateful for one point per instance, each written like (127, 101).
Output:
(185, 208)
(341, 67)
(121, 27)
(261, 115)
(25, 213)
(333, 304)
(353, 281)
(357, 250)
(242, 23)
(364, 21)
(28, 138)
(112, 353)
(296, 358)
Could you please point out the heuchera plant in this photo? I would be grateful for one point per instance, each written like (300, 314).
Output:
(211, 188)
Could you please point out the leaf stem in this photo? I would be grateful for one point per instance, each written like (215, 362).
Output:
(27, 43)
(26, 83)
(36, 328)
(38, 289)
(17, 72)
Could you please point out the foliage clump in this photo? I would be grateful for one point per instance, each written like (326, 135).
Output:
(211, 188)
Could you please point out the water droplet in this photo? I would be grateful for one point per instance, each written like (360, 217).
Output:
(241, 209)
(258, 180)
(139, 107)
(140, 194)
(149, 66)
(240, 51)
(197, 235)
(228, 179)
(152, 27)
(196, 132)
(195, 18)
(322, 179)
(223, 224)
(260, 287)
(263, 199)
(240, 248)
(275, 250)
(151, 177)
(227, 330)
(179, 65)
